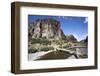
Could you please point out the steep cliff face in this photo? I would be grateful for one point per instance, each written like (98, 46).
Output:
(45, 28)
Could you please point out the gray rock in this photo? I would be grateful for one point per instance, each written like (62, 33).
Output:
(45, 28)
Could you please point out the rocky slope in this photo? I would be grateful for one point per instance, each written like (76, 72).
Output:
(84, 42)
(45, 28)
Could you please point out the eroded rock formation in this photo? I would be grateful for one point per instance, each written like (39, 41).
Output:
(45, 28)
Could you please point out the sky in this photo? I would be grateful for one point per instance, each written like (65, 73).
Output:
(78, 26)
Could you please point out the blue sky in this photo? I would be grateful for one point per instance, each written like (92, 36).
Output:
(78, 26)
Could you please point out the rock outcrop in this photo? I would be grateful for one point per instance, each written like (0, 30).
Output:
(45, 28)
(84, 42)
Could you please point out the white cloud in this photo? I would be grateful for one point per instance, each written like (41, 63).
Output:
(86, 20)
(63, 17)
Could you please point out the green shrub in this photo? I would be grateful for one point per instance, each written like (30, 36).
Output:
(33, 41)
(46, 48)
(41, 41)
(32, 50)
(66, 46)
